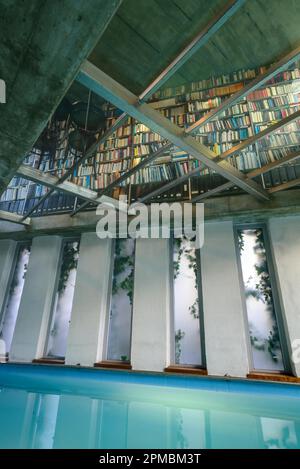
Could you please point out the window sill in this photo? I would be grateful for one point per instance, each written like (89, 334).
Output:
(115, 364)
(273, 377)
(186, 369)
(49, 361)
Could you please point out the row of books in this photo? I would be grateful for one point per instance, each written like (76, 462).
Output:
(113, 143)
(146, 138)
(54, 203)
(21, 192)
(275, 90)
(109, 167)
(278, 101)
(50, 164)
(225, 136)
(14, 193)
(280, 139)
(116, 154)
(214, 92)
(202, 105)
(268, 116)
(229, 123)
(281, 175)
(212, 82)
(270, 155)
(246, 160)
(143, 150)
(123, 131)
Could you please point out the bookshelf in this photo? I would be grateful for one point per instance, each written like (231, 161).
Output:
(133, 141)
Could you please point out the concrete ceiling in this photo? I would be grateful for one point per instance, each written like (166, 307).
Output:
(43, 44)
(145, 35)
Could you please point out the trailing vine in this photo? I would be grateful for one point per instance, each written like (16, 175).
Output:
(190, 254)
(176, 263)
(241, 241)
(179, 335)
(263, 292)
(121, 264)
(69, 262)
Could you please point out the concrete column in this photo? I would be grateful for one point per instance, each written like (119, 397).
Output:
(224, 320)
(152, 323)
(88, 328)
(285, 243)
(37, 299)
(7, 256)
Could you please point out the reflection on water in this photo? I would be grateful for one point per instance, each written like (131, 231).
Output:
(173, 419)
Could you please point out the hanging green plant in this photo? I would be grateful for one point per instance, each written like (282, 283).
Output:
(194, 309)
(264, 293)
(123, 263)
(256, 343)
(274, 343)
(190, 255)
(127, 285)
(241, 241)
(69, 262)
(178, 253)
(179, 335)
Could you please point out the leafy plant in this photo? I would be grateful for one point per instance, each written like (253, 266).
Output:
(274, 343)
(190, 255)
(241, 241)
(194, 309)
(179, 335)
(263, 292)
(121, 264)
(69, 262)
(179, 251)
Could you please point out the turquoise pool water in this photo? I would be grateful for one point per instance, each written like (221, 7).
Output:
(57, 407)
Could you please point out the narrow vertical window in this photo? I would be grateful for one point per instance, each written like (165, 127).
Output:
(186, 304)
(11, 308)
(119, 335)
(63, 301)
(263, 326)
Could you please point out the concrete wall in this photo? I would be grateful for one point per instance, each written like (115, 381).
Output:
(152, 324)
(152, 346)
(224, 324)
(36, 303)
(285, 241)
(87, 333)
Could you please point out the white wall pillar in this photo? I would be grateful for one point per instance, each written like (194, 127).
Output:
(7, 256)
(36, 303)
(285, 241)
(88, 328)
(224, 321)
(152, 324)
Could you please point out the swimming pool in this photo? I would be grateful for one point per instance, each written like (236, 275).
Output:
(63, 407)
